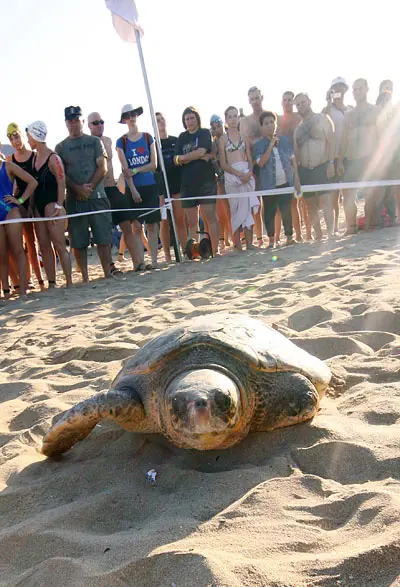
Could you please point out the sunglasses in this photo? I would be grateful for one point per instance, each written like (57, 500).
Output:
(97, 122)
(14, 135)
(130, 114)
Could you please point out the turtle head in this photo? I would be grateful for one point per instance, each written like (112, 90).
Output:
(202, 409)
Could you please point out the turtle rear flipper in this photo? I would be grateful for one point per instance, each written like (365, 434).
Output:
(125, 408)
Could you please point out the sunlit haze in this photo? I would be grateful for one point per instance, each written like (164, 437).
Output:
(206, 54)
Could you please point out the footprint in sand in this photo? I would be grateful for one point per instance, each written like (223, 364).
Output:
(308, 317)
(382, 320)
(326, 347)
(98, 353)
(345, 462)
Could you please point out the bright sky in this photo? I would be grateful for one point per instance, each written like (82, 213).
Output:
(204, 53)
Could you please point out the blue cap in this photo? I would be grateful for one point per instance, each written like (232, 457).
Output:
(215, 119)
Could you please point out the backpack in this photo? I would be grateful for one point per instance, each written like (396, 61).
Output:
(124, 140)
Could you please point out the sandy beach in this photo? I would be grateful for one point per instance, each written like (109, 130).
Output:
(314, 504)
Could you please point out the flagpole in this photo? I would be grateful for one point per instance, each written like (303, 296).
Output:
(158, 141)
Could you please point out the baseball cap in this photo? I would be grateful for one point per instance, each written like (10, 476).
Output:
(38, 131)
(72, 112)
(339, 80)
(13, 128)
(129, 108)
(215, 119)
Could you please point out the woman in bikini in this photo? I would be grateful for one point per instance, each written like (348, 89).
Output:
(11, 234)
(23, 157)
(236, 161)
(49, 203)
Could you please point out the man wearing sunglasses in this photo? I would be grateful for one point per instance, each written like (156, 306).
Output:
(85, 162)
(96, 127)
(117, 200)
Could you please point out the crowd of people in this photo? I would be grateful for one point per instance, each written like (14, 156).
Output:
(237, 159)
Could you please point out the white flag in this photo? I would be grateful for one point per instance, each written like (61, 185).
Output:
(125, 19)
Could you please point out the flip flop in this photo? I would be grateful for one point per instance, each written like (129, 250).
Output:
(143, 267)
(114, 272)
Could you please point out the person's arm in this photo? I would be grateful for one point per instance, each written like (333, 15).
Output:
(82, 192)
(265, 157)
(296, 178)
(343, 146)
(296, 149)
(57, 168)
(101, 171)
(192, 156)
(330, 138)
(152, 165)
(14, 171)
(243, 128)
(248, 155)
(328, 106)
(381, 121)
(204, 148)
(125, 170)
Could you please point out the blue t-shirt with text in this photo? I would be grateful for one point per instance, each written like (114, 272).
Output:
(137, 154)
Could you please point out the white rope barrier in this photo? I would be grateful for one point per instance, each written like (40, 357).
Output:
(324, 187)
(91, 213)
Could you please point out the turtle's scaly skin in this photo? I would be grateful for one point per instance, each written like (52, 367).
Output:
(267, 383)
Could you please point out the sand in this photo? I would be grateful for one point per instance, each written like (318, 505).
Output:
(314, 504)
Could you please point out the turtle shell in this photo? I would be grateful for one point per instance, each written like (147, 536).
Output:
(238, 336)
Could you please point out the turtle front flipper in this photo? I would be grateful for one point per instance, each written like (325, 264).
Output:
(283, 399)
(122, 406)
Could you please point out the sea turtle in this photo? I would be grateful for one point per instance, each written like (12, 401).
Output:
(204, 385)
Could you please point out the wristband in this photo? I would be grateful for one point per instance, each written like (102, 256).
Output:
(134, 171)
(21, 200)
(57, 206)
(177, 160)
(298, 195)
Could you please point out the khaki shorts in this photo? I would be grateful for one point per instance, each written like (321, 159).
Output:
(99, 224)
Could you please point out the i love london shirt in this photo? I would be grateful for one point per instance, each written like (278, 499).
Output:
(137, 154)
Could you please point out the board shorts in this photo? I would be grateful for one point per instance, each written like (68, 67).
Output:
(121, 202)
(357, 169)
(195, 194)
(314, 176)
(99, 224)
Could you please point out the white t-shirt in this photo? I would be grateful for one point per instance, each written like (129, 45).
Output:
(279, 171)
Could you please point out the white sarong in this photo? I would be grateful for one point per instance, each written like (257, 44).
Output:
(242, 209)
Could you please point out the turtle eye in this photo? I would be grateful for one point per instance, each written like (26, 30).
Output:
(222, 401)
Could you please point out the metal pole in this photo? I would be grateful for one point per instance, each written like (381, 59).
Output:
(158, 141)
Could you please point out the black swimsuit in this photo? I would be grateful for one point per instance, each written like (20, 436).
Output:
(21, 184)
(47, 189)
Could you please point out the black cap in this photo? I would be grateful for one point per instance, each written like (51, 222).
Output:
(72, 112)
